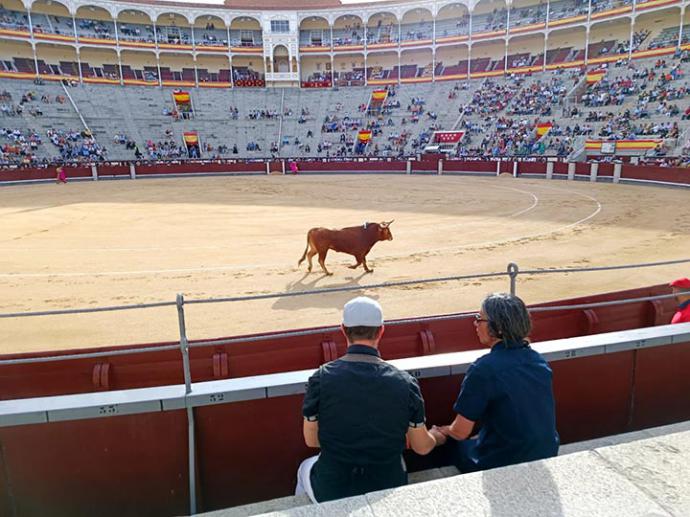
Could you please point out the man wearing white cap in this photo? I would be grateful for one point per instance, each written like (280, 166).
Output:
(360, 410)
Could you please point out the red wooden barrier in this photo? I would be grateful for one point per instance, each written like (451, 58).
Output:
(560, 168)
(249, 451)
(605, 170)
(126, 465)
(113, 169)
(352, 166)
(43, 174)
(662, 386)
(469, 166)
(192, 168)
(302, 352)
(425, 166)
(532, 168)
(655, 173)
(583, 168)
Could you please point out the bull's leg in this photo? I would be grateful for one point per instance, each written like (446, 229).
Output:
(322, 261)
(310, 255)
(356, 264)
(364, 263)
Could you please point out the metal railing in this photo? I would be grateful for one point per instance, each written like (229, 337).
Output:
(512, 272)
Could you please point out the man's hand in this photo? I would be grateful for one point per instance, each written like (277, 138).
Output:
(438, 435)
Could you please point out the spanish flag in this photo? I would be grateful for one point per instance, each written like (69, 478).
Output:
(191, 138)
(625, 145)
(379, 95)
(594, 76)
(181, 97)
(638, 145)
(542, 128)
(364, 135)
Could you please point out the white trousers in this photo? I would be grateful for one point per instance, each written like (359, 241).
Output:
(304, 479)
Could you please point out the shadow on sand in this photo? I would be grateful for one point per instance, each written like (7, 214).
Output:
(314, 280)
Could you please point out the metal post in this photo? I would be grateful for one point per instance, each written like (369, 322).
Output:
(593, 171)
(184, 344)
(513, 271)
(549, 170)
(617, 167)
(191, 441)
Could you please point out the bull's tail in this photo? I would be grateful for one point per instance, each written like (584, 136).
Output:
(304, 255)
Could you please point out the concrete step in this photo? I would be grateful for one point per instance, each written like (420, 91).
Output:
(296, 501)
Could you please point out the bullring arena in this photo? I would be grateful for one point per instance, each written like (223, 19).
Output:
(157, 335)
(92, 244)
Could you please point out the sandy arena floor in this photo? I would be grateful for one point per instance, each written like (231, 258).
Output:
(125, 242)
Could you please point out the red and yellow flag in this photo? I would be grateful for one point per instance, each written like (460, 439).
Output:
(594, 76)
(625, 145)
(191, 138)
(181, 97)
(364, 135)
(542, 128)
(379, 95)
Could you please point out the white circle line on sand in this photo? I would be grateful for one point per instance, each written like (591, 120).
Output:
(256, 266)
(520, 211)
(518, 238)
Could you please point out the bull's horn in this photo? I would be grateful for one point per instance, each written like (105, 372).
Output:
(389, 222)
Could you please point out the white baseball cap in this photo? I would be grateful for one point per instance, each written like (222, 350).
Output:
(362, 312)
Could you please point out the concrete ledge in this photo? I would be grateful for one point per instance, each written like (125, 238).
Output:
(620, 439)
(647, 478)
(281, 504)
(287, 503)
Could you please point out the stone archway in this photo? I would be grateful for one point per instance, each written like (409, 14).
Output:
(281, 59)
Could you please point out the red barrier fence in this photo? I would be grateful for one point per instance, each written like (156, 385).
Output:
(280, 354)
(425, 165)
(82, 171)
(250, 451)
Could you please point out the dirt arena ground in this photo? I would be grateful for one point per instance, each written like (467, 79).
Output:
(124, 242)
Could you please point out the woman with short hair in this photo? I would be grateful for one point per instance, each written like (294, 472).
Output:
(509, 390)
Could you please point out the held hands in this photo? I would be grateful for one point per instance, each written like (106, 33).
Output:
(439, 435)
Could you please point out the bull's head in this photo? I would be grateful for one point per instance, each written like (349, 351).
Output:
(385, 232)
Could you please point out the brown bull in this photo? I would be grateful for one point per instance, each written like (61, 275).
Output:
(355, 240)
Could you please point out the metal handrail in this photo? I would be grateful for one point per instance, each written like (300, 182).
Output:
(512, 272)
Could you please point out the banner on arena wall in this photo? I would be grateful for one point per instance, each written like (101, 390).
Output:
(604, 146)
(447, 137)
(594, 76)
(543, 128)
(364, 135)
(379, 95)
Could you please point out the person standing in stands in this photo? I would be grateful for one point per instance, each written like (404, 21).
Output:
(60, 177)
(681, 290)
(509, 390)
(360, 410)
